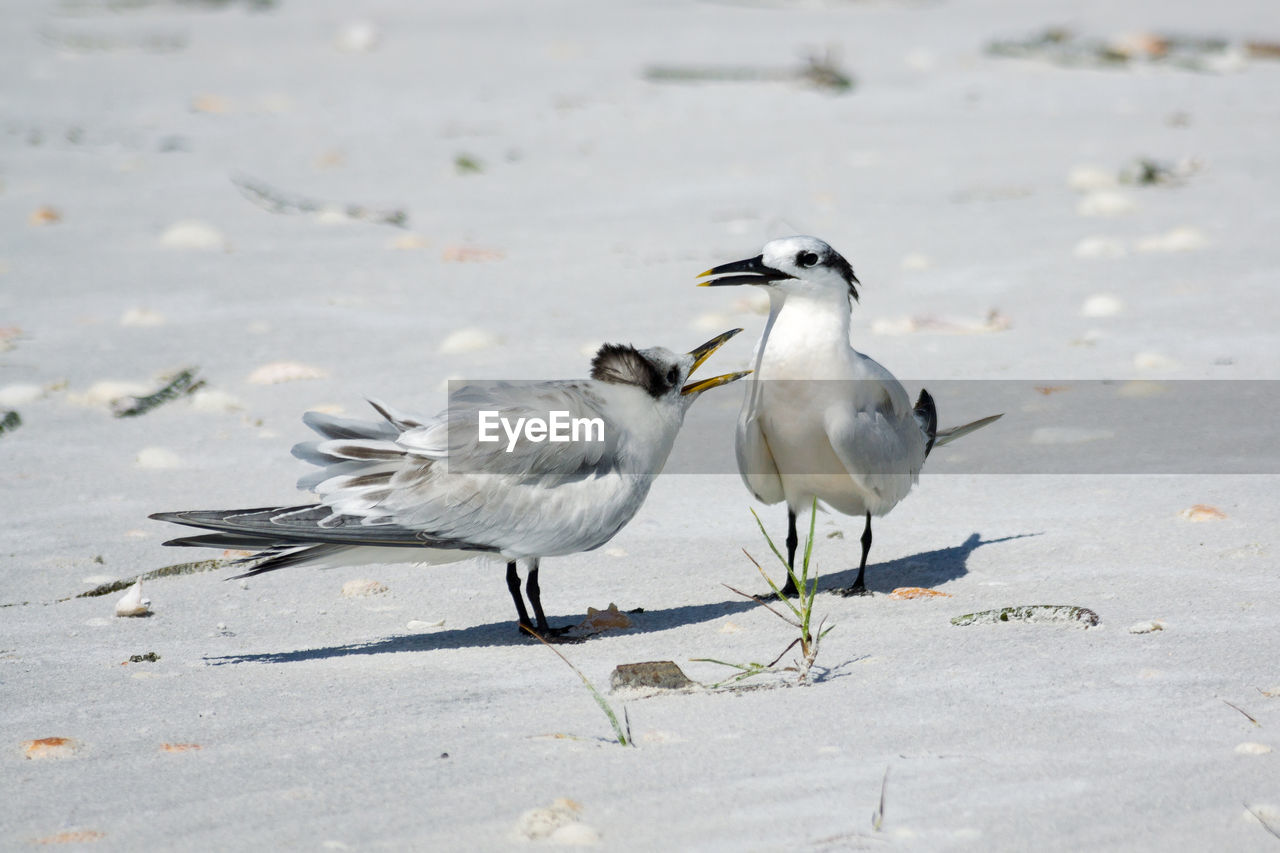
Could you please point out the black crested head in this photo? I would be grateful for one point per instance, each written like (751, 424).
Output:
(623, 364)
(836, 261)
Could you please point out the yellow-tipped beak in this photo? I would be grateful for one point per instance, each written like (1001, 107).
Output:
(704, 384)
(701, 354)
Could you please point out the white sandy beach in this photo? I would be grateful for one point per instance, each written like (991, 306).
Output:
(555, 196)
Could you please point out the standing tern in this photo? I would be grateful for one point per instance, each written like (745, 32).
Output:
(820, 419)
(441, 489)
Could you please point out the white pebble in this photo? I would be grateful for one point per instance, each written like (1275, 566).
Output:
(212, 400)
(1102, 305)
(574, 833)
(1184, 239)
(469, 340)
(1069, 435)
(1100, 247)
(20, 395)
(357, 37)
(142, 317)
(193, 234)
(1252, 748)
(108, 390)
(1105, 203)
(1150, 360)
(285, 371)
(915, 262)
(1088, 178)
(157, 458)
(419, 625)
(754, 301)
(1147, 627)
(710, 322)
(132, 603)
(362, 587)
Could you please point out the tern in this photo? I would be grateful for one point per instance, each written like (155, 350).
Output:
(820, 419)
(437, 490)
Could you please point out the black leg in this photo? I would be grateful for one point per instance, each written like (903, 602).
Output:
(790, 590)
(534, 592)
(513, 585)
(859, 587)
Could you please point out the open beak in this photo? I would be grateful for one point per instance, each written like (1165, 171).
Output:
(701, 354)
(750, 271)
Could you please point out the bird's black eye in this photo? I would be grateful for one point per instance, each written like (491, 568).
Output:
(673, 376)
(807, 259)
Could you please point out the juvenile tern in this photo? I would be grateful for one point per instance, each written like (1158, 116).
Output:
(820, 419)
(438, 490)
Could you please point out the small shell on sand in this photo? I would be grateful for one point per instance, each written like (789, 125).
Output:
(1101, 305)
(71, 836)
(729, 628)
(753, 302)
(1252, 748)
(419, 625)
(213, 400)
(276, 372)
(1089, 178)
(469, 340)
(409, 242)
(1100, 247)
(710, 322)
(469, 255)
(1184, 239)
(1150, 360)
(157, 459)
(180, 747)
(215, 104)
(1202, 512)
(362, 588)
(51, 747)
(108, 390)
(905, 593)
(44, 216)
(357, 37)
(142, 317)
(132, 603)
(993, 322)
(193, 234)
(915, 262)
(20, 395)
(1106, 203)
(1147, 627)
(1273, 692)
(558, 824)
(603, 620)
(1069, 435)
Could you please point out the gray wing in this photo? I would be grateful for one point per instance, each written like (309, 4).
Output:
(879, 443)
(755, 461)
(433, 476)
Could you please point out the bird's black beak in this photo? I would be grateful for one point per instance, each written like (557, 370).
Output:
(750, 271)
(701, 354)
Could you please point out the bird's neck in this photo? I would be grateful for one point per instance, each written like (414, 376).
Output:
(806, 335)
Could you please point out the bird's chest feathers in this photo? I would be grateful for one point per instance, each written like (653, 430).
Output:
(806, 340)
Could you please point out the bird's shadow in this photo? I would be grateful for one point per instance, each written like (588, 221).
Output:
(927, 568)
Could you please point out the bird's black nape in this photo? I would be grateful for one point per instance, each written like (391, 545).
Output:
(622, 364)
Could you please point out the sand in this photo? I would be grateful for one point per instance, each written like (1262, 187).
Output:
(490, 192)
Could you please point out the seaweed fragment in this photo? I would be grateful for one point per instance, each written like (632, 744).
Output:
(10, 421)
(180, 384)
(820, 72)
(1030, 613)
(277, 201)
